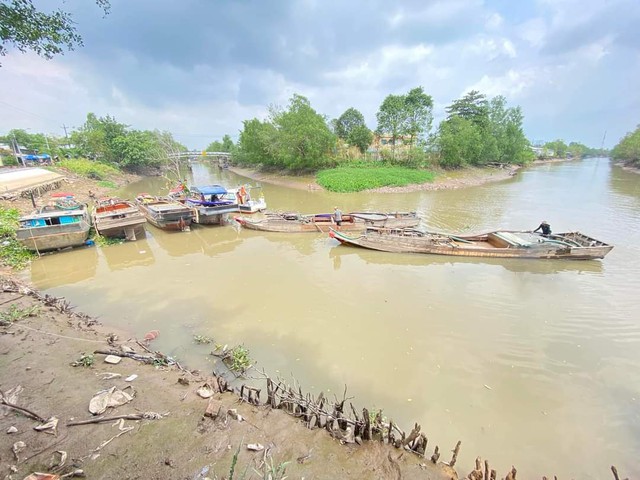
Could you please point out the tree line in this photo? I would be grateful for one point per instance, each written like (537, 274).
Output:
(628, 149)
(102, 139)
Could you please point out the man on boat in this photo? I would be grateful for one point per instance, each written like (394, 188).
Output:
(337, 216)
(545, 227)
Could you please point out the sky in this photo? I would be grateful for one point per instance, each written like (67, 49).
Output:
(199, 68)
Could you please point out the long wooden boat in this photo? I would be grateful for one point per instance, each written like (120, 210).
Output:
(117, 218)
(165, 213)
(499, 244)
(211, 208)
(322, 222)
(62, 223)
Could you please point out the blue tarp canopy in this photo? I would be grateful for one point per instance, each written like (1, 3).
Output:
(210, 190)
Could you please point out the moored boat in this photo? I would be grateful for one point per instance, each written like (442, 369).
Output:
(165, 213)
(322, 222)
(498, 244)
(62, 223)
(117, 218)
(249, 199)
(211, 208)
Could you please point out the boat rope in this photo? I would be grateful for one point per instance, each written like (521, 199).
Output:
(59, 336)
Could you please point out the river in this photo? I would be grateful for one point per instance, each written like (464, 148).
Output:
(530, 363)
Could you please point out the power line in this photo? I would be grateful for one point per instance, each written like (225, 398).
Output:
(26, 111)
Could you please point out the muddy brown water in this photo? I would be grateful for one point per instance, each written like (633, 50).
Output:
(531, 363)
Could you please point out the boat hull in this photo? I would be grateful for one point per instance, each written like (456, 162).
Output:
(322, 223)
(478, 245)
(119, 219)
(54, 237)
(171, 216)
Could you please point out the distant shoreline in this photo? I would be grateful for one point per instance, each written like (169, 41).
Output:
(445, 179)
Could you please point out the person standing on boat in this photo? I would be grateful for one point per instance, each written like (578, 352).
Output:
(545, 227)
(337, 216)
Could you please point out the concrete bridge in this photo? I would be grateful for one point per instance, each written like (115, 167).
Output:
(200, 153)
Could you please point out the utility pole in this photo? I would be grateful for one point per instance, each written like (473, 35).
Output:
(17, 152)
(65, 134)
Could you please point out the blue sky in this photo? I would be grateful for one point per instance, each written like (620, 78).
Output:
(198, 68)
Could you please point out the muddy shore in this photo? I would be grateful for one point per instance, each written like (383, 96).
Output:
(445, 179)
(175, 440)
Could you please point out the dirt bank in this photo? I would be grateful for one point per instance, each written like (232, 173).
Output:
(444, 179)
(85, 189)
(175, 440)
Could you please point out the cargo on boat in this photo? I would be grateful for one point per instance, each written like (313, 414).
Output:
(322, 222)
(62, 223)
(499, 244)
(117, 218)
(165, 213)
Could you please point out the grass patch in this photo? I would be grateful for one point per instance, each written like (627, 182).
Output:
(358, 177)
(15, 313)
(107, 184)
(12, 252)
(89, 168)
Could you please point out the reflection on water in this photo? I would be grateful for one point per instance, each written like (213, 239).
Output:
(128, 254)
(64, 268)
(556, 343)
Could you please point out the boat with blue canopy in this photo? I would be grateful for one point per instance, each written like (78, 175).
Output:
(210, 204)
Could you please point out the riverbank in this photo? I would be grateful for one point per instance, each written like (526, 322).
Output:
(445, 179)
(85, 189)
(176, 434)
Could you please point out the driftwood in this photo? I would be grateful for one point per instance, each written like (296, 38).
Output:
(132, 416)
(22, 410)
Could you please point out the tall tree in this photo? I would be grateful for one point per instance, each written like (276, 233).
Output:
(346, 122)
(392, 118)
(473, 106)
(47, 34)
(350, 126)
(419, 107)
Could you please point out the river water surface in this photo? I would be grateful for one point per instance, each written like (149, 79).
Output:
(530, 363)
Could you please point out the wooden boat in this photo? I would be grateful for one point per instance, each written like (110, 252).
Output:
(117, 218)
(209, 205)
(165, 213)
(249, 199)
(62, 223)
(322, 222)
(499, 244)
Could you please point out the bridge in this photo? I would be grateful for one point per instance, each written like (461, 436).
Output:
(201, 153)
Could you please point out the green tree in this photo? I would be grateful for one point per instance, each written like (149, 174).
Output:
(628, 149)
(135, 149)
(360, 137)
(459, 142)
(350, 126)
(47, 34)
(226, 145)
(473, 106)
(256, 141)
(478, 131)
(304, 142)
(346, 122)
(558, 147)
(392, 118)
(408, 115)
(419, 108)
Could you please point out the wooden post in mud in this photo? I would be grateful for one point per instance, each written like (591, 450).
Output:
(436, 455)
(366, 431)
(454, 458)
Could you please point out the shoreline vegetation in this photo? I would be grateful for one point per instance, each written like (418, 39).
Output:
(215, 425)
